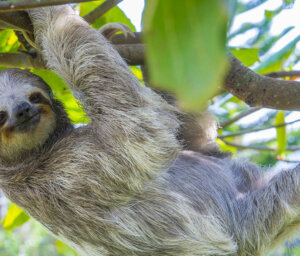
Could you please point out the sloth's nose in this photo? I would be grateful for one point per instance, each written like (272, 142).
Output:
(22, 111)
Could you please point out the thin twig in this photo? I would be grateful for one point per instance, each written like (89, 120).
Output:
(133, 55)
(20, 60)
(258, 147)
(238, 117)
(28, 4)
(284, 74)
(288, 161)
(100, 10)
(234, 134)
(18, 20)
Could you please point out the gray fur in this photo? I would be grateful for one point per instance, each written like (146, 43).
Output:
(121, 186)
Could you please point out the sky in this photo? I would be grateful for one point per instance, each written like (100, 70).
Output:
(133, 9)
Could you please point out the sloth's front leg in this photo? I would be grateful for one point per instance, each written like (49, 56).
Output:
(268, 215)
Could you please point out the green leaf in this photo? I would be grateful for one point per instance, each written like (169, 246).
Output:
(113, 15)
(15, 217)
(9, 41)
(246, 55)
(281, 132)
(186, 48)
(64, 94)
(64, 249)
(275, 62)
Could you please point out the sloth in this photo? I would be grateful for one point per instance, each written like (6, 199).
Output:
(122, 185)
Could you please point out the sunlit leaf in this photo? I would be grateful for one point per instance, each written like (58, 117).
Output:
(281, 132)
(64, 249)
(246, 55)
(186, 48)
(14, 218)
(138, 73)
(64, 94)
(8, 41)
(224, 147)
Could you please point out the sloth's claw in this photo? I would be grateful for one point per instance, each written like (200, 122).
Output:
(110, 29)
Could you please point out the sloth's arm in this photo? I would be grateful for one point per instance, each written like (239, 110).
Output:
(133, 128)
(269, 215)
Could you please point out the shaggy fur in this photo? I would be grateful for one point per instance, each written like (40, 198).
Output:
(121, 186)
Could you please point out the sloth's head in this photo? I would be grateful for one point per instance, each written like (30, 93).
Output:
(27, 112)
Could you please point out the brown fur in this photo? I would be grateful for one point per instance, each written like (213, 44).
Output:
(121, 186)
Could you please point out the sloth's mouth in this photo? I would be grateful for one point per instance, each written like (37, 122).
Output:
(29, 124)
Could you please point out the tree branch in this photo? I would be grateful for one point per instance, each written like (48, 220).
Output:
(17, 20)
(254, 89)
(132, 53)
(283, 74)
(234, 134)
(122, 39)
(261, 91)
(100, 10)
(238, 117)
(258, 147)
(22, 5)
(20, 60)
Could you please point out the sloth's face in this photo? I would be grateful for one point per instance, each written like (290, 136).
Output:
(26, 115)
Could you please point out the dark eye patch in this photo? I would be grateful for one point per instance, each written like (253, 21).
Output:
(36, 98)
(3, 117)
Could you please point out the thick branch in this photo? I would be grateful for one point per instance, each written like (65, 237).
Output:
(22, 5)
(122, 39)
(261, 91)
(132, 53)
(254, 89)
(100, 10)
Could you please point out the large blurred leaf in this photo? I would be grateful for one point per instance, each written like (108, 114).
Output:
(246, 55)
(64, 249)
(281, 132)
(64, 94)
(275, 62)
(15, 217)
(113, 15)
(186, 47)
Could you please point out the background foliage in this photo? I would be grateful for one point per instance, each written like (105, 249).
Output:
(187, 37)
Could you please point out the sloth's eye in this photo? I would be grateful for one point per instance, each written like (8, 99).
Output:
(35, 98)
(3, 117)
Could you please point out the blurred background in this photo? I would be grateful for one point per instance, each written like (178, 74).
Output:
(264, 35)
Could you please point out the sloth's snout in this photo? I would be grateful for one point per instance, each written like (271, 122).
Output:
(22, 112)
(24, 117)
